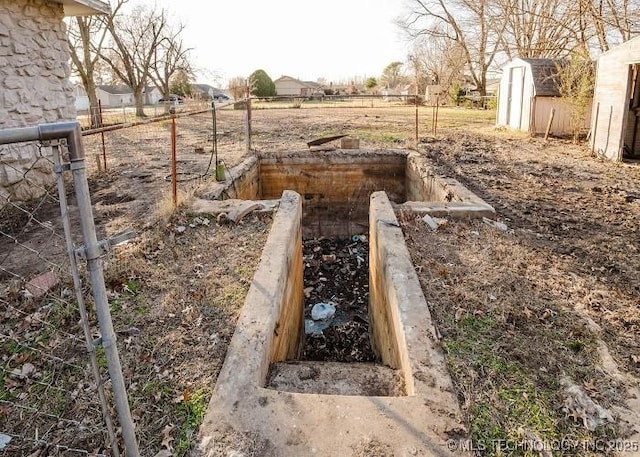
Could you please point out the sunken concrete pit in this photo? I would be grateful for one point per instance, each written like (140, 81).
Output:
(266, 394)
(270, 330)
(336, 185)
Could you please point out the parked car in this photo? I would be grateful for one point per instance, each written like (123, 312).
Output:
(172, 98)
(221, 98)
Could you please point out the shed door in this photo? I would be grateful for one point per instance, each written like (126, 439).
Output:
(515, 97)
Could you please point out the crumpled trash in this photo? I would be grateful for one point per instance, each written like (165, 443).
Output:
(312, 327)
(322, 311)
(4, 440)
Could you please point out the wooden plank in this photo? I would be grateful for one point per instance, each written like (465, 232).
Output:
(327, 139)
(546, 133)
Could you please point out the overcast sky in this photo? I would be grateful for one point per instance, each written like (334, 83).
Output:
(331, 39)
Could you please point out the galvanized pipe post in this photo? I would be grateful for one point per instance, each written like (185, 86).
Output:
(93, 254)
(92, 251)
(77, 287)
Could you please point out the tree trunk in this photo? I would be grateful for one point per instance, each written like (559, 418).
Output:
(138, 95)
(94, 112)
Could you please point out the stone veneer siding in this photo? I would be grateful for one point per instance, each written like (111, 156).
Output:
(34, 89)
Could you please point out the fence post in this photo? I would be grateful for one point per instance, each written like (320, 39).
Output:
(247, 127)
(417, 122)
(104, 149)
(77, 286)
(174, 170)
(93, 253)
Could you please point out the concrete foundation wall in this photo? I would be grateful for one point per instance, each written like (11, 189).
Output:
(287, 339)
(424, 185)
(386, 246)
(403, 332)
(335, 186)
(34, 89)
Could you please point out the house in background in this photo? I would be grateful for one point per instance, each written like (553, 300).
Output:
(615, 127)
(81, 98)
(527, 95)
(409, 89)
(390, 94)
(286, 85)
(35, 85)
(119, 95)
(114, 95)
(204, 91)
(436, 94)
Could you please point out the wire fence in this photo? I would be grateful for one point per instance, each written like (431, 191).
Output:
(100, 115)
(206, 136)
(59, 390)
(139, 154)
(57, 373)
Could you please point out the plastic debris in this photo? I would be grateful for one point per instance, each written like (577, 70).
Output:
(322, 311)
(430, 222)
(312, 327)
(4, 440)
(495, 224)
(434, 222)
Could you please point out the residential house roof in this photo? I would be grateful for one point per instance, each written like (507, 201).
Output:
(204, 88)
(115, 89)
(309, 84)
(120, 89)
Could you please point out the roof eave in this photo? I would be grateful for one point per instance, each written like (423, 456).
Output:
(84, 7)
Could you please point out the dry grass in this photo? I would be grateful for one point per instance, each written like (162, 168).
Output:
(516, 310)
(520, 311)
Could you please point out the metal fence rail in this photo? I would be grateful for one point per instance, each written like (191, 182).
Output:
(53, 399)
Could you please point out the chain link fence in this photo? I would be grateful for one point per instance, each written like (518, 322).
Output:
(60, 390)
(109, 147)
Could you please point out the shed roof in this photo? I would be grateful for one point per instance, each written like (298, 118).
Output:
(633, 44)
(544, 73)
(83, 7)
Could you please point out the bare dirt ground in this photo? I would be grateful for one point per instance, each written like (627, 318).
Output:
(554, 299)
(530, 318)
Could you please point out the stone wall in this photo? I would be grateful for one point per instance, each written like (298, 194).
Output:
(34, 89)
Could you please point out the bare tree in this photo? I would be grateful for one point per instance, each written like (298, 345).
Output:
(170, 56)
(134, 39)
(442, 61)
(392, 75)
(238, 87)
(576, 79)
(476, 26)
(86, 36)
(612, 21)
(540, 28)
